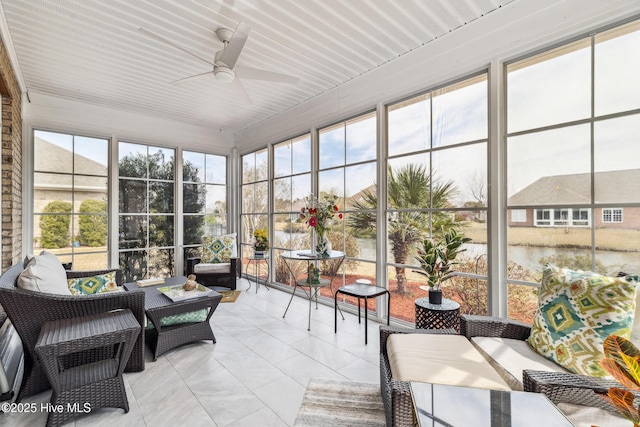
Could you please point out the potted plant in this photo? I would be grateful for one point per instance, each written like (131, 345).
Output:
(436, 258)
(261, 242)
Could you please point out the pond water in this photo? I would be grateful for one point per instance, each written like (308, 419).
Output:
(526, 256)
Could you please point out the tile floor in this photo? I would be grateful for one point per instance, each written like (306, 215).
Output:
(255, 375)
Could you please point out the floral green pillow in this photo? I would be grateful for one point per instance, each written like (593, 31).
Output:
(576, 311)
(217, 249)
(93, 285)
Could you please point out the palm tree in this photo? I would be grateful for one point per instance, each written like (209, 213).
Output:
(408, 188)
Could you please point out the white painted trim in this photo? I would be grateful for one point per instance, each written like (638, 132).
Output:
(8, 45)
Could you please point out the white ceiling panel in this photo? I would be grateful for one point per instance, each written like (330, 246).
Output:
(93, 50)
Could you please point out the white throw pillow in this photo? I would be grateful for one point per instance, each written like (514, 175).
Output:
(44, 273)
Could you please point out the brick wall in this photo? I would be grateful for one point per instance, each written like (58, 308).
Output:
(11, 162)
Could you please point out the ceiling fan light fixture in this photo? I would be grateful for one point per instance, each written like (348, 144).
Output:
(224, 74)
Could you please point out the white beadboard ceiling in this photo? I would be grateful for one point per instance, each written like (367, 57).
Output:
(92, 50)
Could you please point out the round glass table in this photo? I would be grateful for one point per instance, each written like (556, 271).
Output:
(311, 282)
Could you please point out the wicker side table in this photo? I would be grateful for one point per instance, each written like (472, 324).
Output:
(437, 316)
(85, 387)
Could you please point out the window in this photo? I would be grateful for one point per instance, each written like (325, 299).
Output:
(71, 198)
(437, 179)
(204, 197)
(611, 215)
(146, 211)
(519, 215)
(572, 121)
(348, 170)
(291, 185)
(255, 196)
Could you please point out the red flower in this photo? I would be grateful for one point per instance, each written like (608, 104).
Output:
(335, 208)
(313, 221)
(340, 215)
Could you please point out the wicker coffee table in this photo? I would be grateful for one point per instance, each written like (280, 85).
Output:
(157, 306)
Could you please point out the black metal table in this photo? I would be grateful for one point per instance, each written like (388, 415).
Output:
(437, 316)
(157, 306)
(360, 290)
(256, 270)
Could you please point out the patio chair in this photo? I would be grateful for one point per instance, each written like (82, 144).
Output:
(29, 310)
(217, 265)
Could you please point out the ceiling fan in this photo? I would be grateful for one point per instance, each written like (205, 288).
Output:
(224, 63)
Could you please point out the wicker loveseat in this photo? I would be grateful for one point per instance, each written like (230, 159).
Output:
(577, 396)
(29, 310)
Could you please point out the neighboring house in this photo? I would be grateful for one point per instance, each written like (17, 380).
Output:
(52, 181)
(573, 190)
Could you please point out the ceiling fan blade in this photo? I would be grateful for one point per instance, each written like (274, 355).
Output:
(170, 43)
(239, 90)
(270, 76)
(234, 47)
(175, 82)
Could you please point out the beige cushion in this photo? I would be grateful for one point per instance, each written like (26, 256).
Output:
(440, 359)
(509, 357)
(588, 416)
(204, 267)
(44, 273)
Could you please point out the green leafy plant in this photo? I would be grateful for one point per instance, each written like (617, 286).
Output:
(622, 360)
(54, 224)
(437, 257)
(93, 222)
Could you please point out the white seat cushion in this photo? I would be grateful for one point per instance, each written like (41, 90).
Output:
(588, 416)
(218, 267)
(440, 359)
(509, 357)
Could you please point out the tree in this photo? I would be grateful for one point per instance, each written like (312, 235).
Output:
(93, 222)
(54, 229)
(158, 197)
(409, 188)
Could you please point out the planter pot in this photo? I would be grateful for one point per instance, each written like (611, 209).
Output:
(260, 254)
(435, 297)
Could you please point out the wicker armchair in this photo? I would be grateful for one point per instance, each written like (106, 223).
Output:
(559, 387)
(225, 279)
(396, 395)
(28, 311)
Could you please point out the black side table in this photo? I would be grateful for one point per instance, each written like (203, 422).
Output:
(437, 316)
(95, 384)
(359, 290)
(256, 270)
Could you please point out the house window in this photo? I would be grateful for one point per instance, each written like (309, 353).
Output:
(580, 217)
(519, 215)
(70, 198)
(543, 217)
(612, 215)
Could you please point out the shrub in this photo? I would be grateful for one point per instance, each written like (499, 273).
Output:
(54, 229)
(93, 223)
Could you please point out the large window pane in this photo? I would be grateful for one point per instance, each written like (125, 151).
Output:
(70, 198)
(141, 200)
(617, 67)
(460, 112)
(332, 146)
(464, 169)
(549, 167)
(409, 125)
(361, 134)
(617, 160)
(550, 88)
